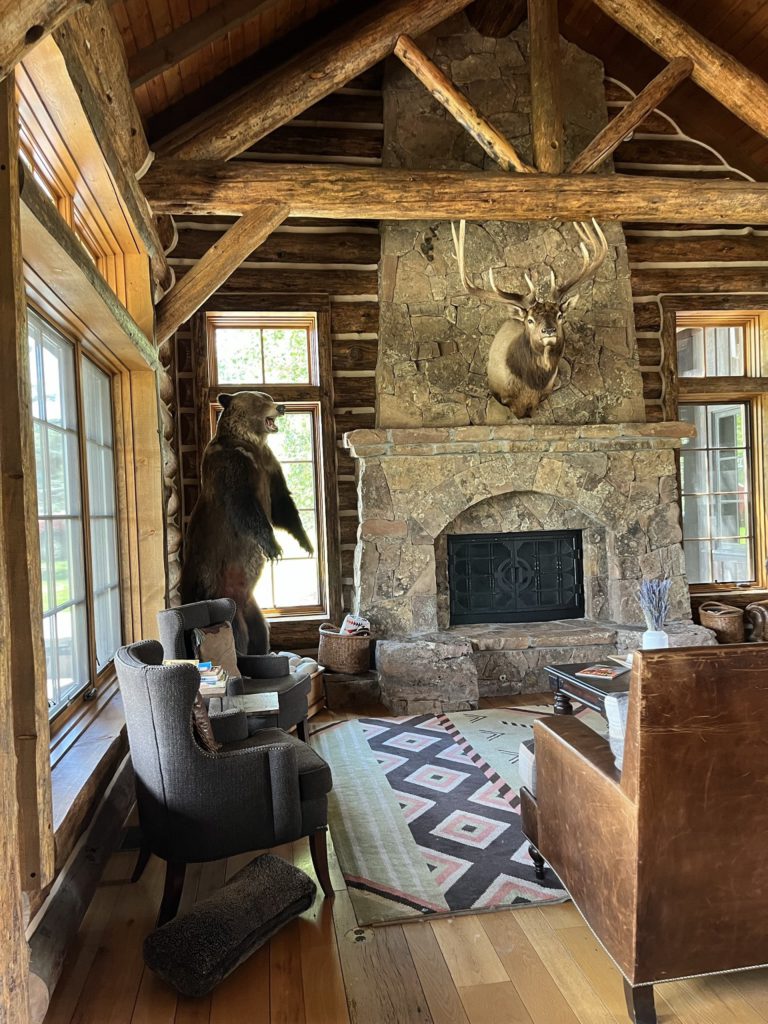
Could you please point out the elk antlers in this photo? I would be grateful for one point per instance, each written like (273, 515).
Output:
(593, 247)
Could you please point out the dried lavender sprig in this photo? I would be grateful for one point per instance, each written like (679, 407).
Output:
(654, 602)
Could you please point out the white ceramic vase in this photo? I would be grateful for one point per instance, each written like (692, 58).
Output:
(653, 639)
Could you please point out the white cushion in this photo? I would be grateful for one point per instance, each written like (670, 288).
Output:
(616, 706)
(526, 766)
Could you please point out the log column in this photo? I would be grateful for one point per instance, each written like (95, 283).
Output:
(546, 91)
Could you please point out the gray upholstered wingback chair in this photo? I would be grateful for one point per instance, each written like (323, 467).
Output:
(261, 673)
(258, 791)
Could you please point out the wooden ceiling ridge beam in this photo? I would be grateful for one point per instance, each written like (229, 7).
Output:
(185, 187)
(231, 127)
(633, 114)
(95, 60)
(23, 23)
(206, 28)
(458, 106)
(742, 91)
(220, 261)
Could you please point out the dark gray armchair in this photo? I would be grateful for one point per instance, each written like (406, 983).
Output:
(257, 792)
(260, 673)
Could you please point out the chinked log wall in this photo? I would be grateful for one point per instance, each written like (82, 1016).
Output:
(682, 266)
(339, 259)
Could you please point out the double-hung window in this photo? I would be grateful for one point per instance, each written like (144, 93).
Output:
(77, 512)
(279, 353)
(720, 394)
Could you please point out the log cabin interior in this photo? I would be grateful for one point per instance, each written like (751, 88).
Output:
(465, 303)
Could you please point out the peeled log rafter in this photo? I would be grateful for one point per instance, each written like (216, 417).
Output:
(23, 23)
(212, 270)
(625, 122)
(459, 107)
(546, 89)
(234, 125)
(740, 90)
(496, 18)
(372, 193)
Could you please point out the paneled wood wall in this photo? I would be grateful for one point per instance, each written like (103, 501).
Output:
(334, 258)
(679, 266)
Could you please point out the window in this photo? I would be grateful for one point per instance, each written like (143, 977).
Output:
(720, 394)
(77, 514)
(717, 494)
(280, 353)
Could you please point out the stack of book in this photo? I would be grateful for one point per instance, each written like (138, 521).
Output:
(213, 678)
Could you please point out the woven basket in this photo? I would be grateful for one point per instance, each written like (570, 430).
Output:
(726, 620)
(343, 652)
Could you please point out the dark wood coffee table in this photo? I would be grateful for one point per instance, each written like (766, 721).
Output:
(568, 687)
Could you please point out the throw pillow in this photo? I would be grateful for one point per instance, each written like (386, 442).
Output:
(202, 726)
(217, 645)
(616, 707)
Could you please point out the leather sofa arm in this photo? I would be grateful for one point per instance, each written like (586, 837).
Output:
(570, 738)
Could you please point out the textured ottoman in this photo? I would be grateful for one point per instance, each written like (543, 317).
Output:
(197, 950)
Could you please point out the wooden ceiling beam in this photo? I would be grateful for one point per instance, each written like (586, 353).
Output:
(743, 92)
(633, 114)
(497, 18)
(189, 188)
(206, 28)
(219, 262)
(253, 112)
(546, 89)
(458, 106)
(95, 59)
(23, 23)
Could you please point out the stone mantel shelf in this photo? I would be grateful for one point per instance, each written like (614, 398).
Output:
(516, 436)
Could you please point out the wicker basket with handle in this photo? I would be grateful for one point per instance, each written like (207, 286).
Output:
(725, 619)
(343, 652)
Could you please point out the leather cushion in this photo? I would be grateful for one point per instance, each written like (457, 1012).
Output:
(314, 773)
(202, 726)
(217, 645)
(526, 765)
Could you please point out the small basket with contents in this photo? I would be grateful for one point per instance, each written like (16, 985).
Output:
(345, 648)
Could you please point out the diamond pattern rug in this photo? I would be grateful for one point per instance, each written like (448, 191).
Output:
(425, 813)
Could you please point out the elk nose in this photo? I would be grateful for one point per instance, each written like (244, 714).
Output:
(549, 332)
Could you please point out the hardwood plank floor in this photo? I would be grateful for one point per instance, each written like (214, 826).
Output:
(530, 966)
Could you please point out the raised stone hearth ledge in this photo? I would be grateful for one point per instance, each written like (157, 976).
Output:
(450, 670)
(512, 437)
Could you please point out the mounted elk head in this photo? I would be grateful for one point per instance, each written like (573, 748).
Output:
(527, 348)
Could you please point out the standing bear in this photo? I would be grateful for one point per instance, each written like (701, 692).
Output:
(243, 496)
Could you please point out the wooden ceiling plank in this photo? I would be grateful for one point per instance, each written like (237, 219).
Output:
(547, 122)
(253, 112)
(458, 106)
(625, 122)
(497, 18)
(186, 187)
(740, 90)
(172, 48)
(93, 53)
(219, 262)
(23, 24)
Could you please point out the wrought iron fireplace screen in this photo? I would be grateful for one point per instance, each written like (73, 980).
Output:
(515, 577)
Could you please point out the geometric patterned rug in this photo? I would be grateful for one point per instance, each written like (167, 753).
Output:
(425, 813)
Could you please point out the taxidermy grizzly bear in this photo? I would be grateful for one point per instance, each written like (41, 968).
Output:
(242, 497)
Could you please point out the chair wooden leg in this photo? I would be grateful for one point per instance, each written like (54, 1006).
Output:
(538, 862)
(302, 730)
(141, 862)
(318, 848)
(640, 1005)
(174, 884)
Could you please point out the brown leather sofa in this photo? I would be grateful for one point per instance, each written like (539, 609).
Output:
(667, 860)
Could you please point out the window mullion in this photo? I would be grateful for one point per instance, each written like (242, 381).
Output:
(85, 505)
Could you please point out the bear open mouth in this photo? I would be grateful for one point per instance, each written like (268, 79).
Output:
(270, 425)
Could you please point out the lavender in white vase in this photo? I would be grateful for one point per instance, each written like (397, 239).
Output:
(654, 604)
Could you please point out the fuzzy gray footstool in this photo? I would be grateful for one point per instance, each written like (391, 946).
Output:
(197, 950)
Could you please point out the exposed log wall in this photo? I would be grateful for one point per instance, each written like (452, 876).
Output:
(335, 258)
(682, 266)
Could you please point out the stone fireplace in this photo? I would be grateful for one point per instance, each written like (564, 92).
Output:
(448, 460)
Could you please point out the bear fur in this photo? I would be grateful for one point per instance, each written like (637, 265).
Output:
(243, 496)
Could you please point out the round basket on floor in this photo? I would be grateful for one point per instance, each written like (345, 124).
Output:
(343, 652)
(725, 619)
